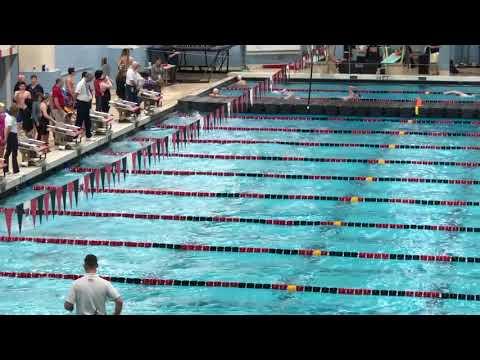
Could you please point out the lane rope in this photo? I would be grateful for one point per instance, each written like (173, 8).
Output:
(242, 249)
(351, 132)
(319, 144)
(308, 159)
(249, 285)
(353, 119)
(291, 176)
(350, 199)
(280, 222)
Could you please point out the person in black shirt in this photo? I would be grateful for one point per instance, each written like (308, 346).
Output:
(34, 88)
(20, 80)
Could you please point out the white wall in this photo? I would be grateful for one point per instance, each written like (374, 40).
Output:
(36, 55)
(272, 48)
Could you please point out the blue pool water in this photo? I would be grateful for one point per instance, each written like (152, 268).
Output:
(385, 91)
(45, 296)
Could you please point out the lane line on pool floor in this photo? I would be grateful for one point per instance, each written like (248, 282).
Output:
(236, 195)
(289, 176)
(338, 131)
(242, 249)
(291, 288)
(306, 159)
(353, 119)
(267, 221)
(320, 144)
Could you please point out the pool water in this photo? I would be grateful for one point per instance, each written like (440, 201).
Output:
(387, 91)
(46, 296)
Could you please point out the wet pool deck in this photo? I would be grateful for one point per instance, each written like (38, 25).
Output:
(56, 158)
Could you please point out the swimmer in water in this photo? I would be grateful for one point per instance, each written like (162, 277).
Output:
(240, 81)
(215, 93)
(352, 94)
(458, 93)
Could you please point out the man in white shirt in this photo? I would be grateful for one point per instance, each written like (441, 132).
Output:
(83, 96)
(133, 83)
(90, 292)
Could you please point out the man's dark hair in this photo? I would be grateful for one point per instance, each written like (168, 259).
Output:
(91, 260)
(57, 81)
(34, 76)
(84, 74)
(71, 70)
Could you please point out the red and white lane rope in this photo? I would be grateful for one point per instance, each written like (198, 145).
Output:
(249, 285)
(350, 199)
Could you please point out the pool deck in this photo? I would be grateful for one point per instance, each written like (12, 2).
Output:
(56, 158)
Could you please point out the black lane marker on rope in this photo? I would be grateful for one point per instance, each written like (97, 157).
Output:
(292, 176)
(353, 119)
(242, 249)
(280, 222)
(351, 199)
(248, 285)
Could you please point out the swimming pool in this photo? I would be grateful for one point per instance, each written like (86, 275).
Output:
(428, 92)
(290, 208)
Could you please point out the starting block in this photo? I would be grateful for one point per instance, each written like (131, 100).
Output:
(151, 100)
(127, 110)
(33, 152)
(66, 136)
(102, 122)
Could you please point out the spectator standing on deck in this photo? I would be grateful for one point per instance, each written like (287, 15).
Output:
(105, 67)
(134, 82)
(98, 91)
(2, 128)
(102, 85)
(105, 86)
(90, 292)
(21, 79)
(35, 89)
(11, 139)
(123, 64)
(44, 118)
(157, 73)
(23, 99)
(83, 96)
(70, 87)
(58, 102)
